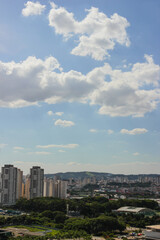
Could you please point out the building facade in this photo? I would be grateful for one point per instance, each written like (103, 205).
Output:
(36, 182)
(11, 180)
(55, 188)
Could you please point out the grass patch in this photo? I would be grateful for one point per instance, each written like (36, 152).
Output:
(158, 213)
(31, 229)
(52, 233)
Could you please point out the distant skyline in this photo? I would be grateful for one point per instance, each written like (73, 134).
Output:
(80, 85)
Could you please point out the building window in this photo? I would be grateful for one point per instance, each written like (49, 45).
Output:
(5, 183)
(34, 183)
(5, 198)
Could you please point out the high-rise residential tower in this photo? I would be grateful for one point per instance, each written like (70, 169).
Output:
(36, 182)
(55, 188)
(11, 184)
(27, 187)
(62, 189)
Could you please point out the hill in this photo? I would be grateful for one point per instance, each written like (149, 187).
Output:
(97, 175)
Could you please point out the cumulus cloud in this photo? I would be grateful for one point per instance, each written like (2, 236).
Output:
(117, 93)
(33, 8)
(64, 123)
(69, 146)
(59, 113)
(119, 168)
(61, 151)
(18, 148)
(110, 131)
(93, 130)
(136, 153)
(135, 131)
(97, 32)
(73, 164)
(34, 80)
(3, 145)
(126, 93)
(50, 113)
(40, 153)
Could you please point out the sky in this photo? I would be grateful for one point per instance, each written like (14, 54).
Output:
(80, 85)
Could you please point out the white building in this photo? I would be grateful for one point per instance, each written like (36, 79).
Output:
(62, 189)
(55, 188)
(0, 188)
(19, 183)
(11, 184)
(27, 181)
(36, 182)
(135, 210)
(47, 188)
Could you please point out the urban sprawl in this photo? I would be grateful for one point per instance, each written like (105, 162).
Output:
(86, 205)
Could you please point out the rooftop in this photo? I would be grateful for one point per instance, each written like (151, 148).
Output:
(155, 227)
(132, 209)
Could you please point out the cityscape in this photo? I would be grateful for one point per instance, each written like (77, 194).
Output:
(81, 195)
(79, 120)
(14, 185)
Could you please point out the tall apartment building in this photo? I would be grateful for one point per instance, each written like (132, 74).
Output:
(11, 184)
(47, 187)
(55, 188)
(19, 183)
(27, 187)
(62, 189)
(36, 182)
(0, 188)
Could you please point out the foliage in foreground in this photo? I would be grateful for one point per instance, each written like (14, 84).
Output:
(70, 234)
(95, 225)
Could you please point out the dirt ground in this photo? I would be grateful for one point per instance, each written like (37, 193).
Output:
(22, 231)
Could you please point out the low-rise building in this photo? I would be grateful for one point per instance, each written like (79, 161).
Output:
(152, 232)
(135, 210)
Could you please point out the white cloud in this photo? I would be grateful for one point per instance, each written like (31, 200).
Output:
(18, 148)
(134, 131)
(59, 113)
(119, 168)
(110, 131)
(33, 8)
(117, 93)
(3, 145)
(40, 153)
(50, 113)
(64, 123)
(93, 130)
(48, 85)
(71, 163)
(61, 151)
(126, 93)
(97, 32)
(136, 154)
(69, 146)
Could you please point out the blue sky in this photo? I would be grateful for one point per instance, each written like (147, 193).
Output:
(80, 85)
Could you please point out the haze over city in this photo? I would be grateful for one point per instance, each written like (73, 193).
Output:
(80, 85)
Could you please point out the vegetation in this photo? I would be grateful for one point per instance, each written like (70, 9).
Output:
(41, 204)
(27, 237)
(70, 234)
(98, 218)
(139, 221)
(94, 225)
